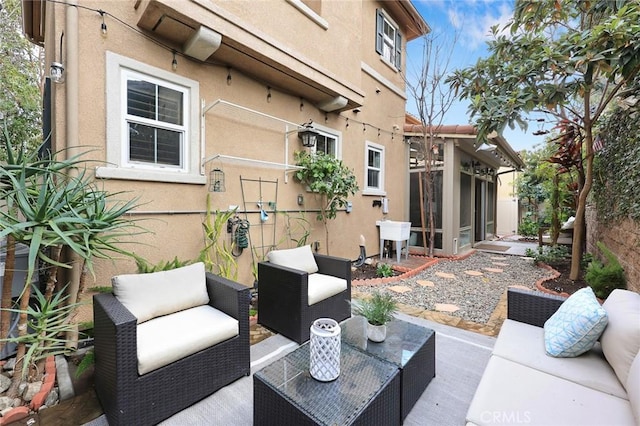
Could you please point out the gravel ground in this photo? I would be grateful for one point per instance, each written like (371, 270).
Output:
(476, 296)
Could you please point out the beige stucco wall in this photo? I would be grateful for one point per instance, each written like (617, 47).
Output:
(172, 212)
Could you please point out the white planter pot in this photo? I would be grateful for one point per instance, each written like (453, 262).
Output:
(376, 333)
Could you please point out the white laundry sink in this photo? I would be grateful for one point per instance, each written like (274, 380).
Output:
(394, 230)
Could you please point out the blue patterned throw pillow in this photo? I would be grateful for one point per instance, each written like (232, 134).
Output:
(576, 325)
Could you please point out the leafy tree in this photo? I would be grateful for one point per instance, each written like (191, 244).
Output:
(21, 71)
(569, 59)
(330, 179)
(433, 100)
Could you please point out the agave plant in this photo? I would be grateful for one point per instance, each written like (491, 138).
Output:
(51, 205)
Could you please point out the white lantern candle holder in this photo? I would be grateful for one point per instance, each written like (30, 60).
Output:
(324, 362)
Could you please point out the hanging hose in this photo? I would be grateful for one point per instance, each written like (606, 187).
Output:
(241, 236)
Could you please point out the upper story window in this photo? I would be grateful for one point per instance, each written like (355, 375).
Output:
(374, 169)
(152, 124)
(388, 39)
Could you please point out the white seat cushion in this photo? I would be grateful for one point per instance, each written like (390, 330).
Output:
(524, 344)
(322, 286)
(511, 393)
(633, 387)
(169, 338)
(148, 296)
(621, 339)
(300, 258)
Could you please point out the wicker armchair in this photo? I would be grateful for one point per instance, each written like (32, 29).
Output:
(129, 398)
(283, 297)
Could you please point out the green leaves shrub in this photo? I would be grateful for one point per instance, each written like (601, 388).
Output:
(603, 279)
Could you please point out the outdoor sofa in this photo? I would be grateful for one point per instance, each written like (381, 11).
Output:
(522, 384)
(296, 287)
(166, 340)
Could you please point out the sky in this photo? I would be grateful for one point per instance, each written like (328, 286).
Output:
(470, 20)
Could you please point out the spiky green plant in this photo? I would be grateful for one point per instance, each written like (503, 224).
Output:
(378, 309)
(217, 253)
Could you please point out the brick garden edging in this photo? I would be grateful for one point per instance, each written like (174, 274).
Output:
(48, 381)
(407, 272)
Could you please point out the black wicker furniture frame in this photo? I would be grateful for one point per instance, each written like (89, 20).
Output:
(367, 392)
(282, 297)
(131, 399)
(410, 347)
(533, 308)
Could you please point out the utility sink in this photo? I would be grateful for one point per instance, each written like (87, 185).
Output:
(394, 231)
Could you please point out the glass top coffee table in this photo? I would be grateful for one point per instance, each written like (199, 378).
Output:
(366, 392)
(410, 347)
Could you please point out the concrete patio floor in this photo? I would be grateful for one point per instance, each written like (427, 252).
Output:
(84, 407)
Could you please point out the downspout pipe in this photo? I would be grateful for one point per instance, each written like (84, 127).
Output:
(72, 84)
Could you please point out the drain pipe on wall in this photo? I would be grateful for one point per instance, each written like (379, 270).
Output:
(71, 134)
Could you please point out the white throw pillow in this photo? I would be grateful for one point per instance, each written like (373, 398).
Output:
(621, 339)
(148, 296)
(300, 258)
(576, 325)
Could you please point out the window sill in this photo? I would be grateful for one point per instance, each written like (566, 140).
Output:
(375, 192)
(148, 175)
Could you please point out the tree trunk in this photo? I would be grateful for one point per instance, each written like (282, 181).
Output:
(421, 185)
(21, 348)
(555, 206)
(579, 226)
(7, 287)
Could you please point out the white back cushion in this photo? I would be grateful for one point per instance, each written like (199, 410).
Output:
(300, 258)
(621, 339)
(148, 296)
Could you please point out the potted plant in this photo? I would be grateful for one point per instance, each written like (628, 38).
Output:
(378, 310)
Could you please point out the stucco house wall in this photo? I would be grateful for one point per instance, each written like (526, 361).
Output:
(280, 64)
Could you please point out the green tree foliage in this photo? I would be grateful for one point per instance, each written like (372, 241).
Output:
(568, 59)
(21, 71)
(330, 179)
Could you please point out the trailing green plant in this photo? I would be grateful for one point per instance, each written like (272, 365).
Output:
(604, 278)
(378, 309)
(87, 361)
(384, 270)
(145, 267)
(548, 254)
(617, 166)
(48, 321)
(330, 179)
(217, 253)
(297, 228)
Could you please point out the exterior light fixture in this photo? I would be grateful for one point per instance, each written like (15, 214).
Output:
(216, 181)
(308, 136)
(57, 72)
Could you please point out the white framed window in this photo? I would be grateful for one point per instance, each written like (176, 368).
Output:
(152, 124)
(328, 141)
(374, 169)
(388, 40)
